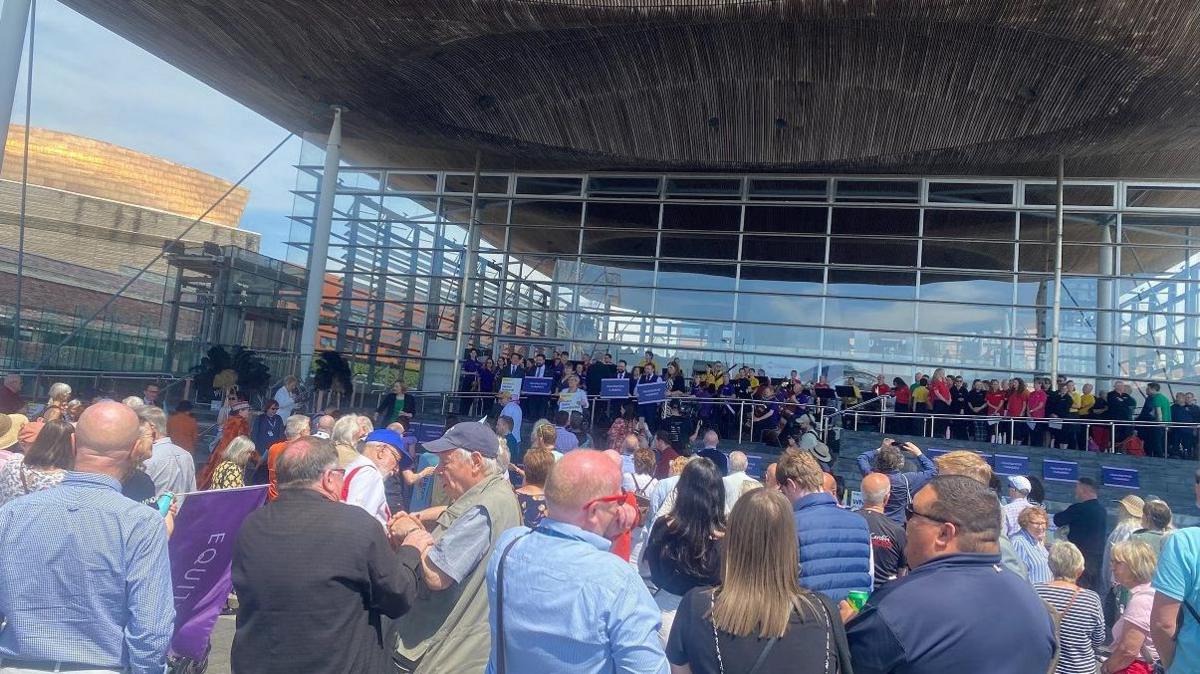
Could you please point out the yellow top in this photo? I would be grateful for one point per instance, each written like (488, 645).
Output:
(920, 394)
(1086, 402)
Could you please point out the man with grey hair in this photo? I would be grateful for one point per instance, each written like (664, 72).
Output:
(170, 466)
(737, 482)
(314, 576)
(713, 453)
(443, 632)
(1018, 500)
(11, 401)
(630, 444)
(294, 428)
(379, 458)
(324, 426)
(887, 537)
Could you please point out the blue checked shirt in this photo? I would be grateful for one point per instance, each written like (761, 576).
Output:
(570, 605)
(1035, 557)
(85, 578)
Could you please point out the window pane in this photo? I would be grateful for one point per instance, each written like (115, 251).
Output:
(782, 280)
(617, 242)
(1154, 262)
(624, 186)
(987, 352)
(786, 219)
(873, 283)
(459, 210)
(696, 276)
(543, 240)
(699, 247)
(965, 224)
(788, 189)
(617, 214)
(547, 213)
(874, 314)
(1073, 195)
(779, 309)
(894, 252)
(876, 221)
(710, 306)
(704, 188)
(616, 272)
(967, 254)
(556, 185)
(964, 288)
(702, 217)
(1148, 196)
(410, 182)
(877, 190)
(462, 182)
(783, 339)
(893, 346)
(1077, 227)
(965, 319)
(970, 193)
(783, 249)
(1038, 257)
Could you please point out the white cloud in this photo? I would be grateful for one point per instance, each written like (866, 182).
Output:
(92, 82)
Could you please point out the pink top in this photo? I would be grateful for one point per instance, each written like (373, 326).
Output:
(1137, 616)
(1037, 403)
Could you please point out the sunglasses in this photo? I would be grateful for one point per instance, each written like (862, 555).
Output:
(910, 512)
(615, 498)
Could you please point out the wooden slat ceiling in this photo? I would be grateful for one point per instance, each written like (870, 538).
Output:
(994, 87)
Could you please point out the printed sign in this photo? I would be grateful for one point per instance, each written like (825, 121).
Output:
(511, 385)
(655, 392)
(1006, 464)
(1124, 478)
(856, 500)
(614, 388)
(426, 432)
(756, 466)
(536, 386)
(1060, 471)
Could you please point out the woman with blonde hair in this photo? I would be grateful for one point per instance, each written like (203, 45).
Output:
(758, 616)
(59, 395)
(346, 433)
(1133, 565)
(230, 473)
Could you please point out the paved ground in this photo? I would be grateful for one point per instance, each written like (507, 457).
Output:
(222, 640)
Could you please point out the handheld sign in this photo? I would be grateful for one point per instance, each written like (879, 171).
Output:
(511, 385)
(614, 388)
(536, 386)
(655, 392)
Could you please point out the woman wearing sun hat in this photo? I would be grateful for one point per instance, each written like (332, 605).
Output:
(1129, 520)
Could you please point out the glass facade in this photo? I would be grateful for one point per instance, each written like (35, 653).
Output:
(837, 274)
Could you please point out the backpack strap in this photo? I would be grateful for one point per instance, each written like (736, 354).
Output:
(501, 654)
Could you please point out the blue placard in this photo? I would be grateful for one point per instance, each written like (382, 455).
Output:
(652, 393)
(1124, 478)
(427, 432)
(614, 388)
(756, 466)
(1007, 464)
(934, 453)
(1060, 471)
(536, 386)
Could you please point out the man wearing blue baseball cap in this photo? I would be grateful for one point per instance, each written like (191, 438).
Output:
(378, 458)
(443, 631)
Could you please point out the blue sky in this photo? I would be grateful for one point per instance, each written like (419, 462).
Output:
(92, 82)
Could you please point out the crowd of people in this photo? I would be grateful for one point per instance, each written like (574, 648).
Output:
(511, 548)
(786, 411)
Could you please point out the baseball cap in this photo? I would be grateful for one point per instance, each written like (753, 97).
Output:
(387, 437)
(239, 406)
(1132, 504)
(469, 435)
(1020, 483)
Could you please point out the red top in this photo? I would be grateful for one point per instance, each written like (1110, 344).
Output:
(995, 401)
(939, 391)
(881, 389)
(272, 458)
(623, 545)
(903, 395)
(1015, 403)
(663, 467)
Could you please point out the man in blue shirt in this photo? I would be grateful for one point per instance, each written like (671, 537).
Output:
(1176, 633)
(85, 583)
(889, 460)
(713, 453)
(559, 600)
(942, 616)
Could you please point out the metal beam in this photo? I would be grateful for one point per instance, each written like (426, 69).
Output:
(468, 266)
(319, 245)
(1058, 263)
(13, 20)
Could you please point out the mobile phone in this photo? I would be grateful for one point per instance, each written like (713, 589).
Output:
(164, 503)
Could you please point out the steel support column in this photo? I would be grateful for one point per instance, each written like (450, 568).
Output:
(1058, 263)
(469, 257)
(319, 245)
(1106, 316)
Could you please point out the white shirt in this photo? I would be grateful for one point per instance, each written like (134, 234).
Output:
(733, 487)
(366, 489)
(286, 402)
(513, 410)
(663, 498)
(171, 468)
(572, 402)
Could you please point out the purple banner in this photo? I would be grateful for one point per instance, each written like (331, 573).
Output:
(201, 554)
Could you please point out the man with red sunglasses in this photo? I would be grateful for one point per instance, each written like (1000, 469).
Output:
(554, 590)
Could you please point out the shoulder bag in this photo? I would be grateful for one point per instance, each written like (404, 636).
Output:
(501, 654)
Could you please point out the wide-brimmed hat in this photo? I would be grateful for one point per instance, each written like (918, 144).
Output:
(1132, 504)
(10, 429)
(821, 453)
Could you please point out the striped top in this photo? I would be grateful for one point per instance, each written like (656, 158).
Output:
(1081, 630)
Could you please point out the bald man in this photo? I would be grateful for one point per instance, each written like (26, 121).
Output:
(552, 579)
(887, 537)
(86, 565)
(829, 484)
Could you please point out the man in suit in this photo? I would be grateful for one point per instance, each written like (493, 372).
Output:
(536, 404)
(512, 370)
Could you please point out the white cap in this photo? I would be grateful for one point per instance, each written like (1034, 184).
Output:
(1020, 483)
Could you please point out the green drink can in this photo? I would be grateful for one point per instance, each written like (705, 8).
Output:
(857, 598)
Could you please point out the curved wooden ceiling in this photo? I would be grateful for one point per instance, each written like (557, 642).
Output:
(855, 86)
